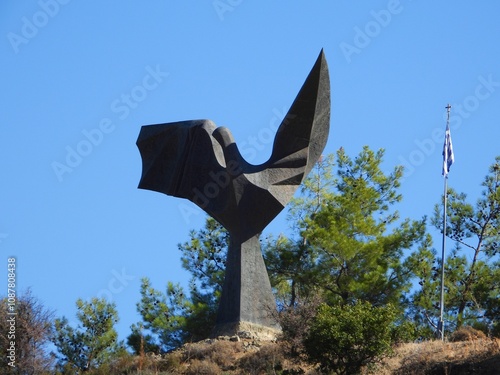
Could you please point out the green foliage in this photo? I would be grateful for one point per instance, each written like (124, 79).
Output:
(174, 317)
(357, 237)
(204, 256)
(495, 329)
(142, 343)
(423, 309)
(352, 242)
(291, 261)
(404, 331)
(344, 338)
(351, 249)
(94, 342)
(472, 268)
(164, 315)
(290, 266)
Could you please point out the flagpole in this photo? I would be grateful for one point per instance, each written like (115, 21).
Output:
(441, 304)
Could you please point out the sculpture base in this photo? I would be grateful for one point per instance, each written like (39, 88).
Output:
(246, 330)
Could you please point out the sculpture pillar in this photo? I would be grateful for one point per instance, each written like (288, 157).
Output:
(247, 302)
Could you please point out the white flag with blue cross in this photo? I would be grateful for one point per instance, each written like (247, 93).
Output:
(448, 156)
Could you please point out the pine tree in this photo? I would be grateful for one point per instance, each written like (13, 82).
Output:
(472, 269)
(94, 342)
(175, 316)
(353, 238)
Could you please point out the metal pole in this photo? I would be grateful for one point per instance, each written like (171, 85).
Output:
(441, 303)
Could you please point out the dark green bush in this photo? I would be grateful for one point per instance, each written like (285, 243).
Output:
(344, 339)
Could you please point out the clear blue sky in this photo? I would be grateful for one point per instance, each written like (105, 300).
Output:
(81, 77)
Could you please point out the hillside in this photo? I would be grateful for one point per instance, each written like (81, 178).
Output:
(235, 355)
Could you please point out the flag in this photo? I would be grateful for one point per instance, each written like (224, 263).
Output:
(448, 156)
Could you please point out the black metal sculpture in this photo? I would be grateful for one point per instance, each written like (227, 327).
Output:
(200, 162)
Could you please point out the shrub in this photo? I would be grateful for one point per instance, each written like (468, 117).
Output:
(467, 333)
(403, 332)
(495, 331)
(202, 367)
(94, 342)
(268, 360)
(170, 362)
(220, 352)
(344, 339)
(34, 327)
(295, 322)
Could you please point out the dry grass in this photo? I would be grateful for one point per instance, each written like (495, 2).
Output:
(202, 367)
(476, 355)
(481, 356)
(268, 360)
(467, 333)
(222, 353)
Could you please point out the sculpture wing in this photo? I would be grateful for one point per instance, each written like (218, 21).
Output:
(302, 135)
(178, 158)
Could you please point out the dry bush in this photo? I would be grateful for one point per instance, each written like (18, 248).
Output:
(124, 364)
(295, 322)
(268, 360)
(223, 352)
(170, 362)
(220, 352)
(202, 367)
(34, 327)
(467, 333)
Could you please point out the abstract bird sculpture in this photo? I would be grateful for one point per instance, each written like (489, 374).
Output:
(200, 162)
